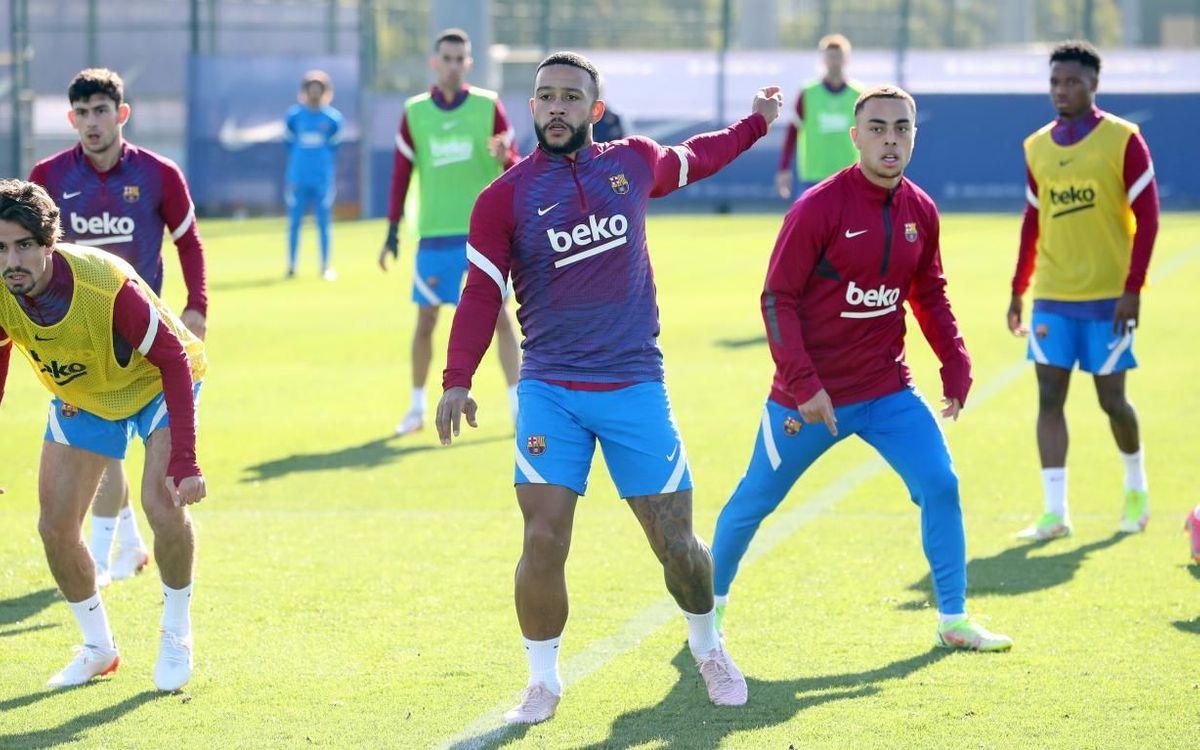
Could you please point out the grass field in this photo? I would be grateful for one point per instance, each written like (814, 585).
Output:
(354, 590)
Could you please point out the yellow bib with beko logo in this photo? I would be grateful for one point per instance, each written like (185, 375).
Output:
(74, 358)
(1085, 224)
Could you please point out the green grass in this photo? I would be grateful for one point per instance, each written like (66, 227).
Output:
(355, 591)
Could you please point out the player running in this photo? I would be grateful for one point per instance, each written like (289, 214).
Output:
(569, 224)
(119, 197)
(819, 133)
(852, 251)
(118, 362)
(457, 139)
(1090, 222)
(313, 133)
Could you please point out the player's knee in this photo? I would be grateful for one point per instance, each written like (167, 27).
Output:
(682, 552)
(57, 530)
(939, 487)
(1051, 399)
(544, 545)
(1113, 403)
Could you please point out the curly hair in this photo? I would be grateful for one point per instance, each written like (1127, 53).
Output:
(27, 204)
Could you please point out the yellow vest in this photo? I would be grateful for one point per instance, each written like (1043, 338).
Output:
(1085, 224)
(74, 358)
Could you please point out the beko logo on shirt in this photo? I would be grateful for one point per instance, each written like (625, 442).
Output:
(1067, 198)
(105, 223)
(883, 298)
(593, 237)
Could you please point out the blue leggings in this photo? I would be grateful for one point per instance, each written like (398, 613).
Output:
(298, 198)
(904, 431)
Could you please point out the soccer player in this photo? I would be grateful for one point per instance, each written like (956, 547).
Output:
(569, 224)
(1087, 249)
(819, 134)
(851, 252)
(119, 197)
(313, 130)
(118, 363)
(457, 139)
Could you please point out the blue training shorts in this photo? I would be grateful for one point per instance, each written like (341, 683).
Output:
(1061, 341)
(558, 427)
(70, 425)
(441, 266)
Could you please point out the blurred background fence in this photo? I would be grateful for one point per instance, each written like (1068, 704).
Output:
(209, 80)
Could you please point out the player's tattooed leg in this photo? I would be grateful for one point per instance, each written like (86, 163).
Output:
(686, 560)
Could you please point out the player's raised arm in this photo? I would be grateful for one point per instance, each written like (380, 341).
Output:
(489, 253)
(931, 307)
(706, 154)
(136, 320)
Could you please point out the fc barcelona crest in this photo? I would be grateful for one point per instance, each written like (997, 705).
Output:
(791, 426)
(132, 193)
(536, 445)
(910, 231)
(69, 410)
(620, 185)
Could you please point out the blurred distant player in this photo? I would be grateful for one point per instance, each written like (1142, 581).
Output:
(313, 133)
(852, 251)
(1090, 223)
(457, 139)
(819, 134)
(119, 198)
(118, 363)
(569, 224)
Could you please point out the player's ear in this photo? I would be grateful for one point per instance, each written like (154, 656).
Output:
(71, 116)
(123, 113)
(854, 136)
(597, 111)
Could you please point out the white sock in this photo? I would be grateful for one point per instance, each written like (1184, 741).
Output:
(418, 399)
(177, 610)
(702, 633)
(718, 600)
(946, 619)
(1054, 484)
(543, 663)
(93, 623)
(102, 538)
(512, 402)
(1135, 470)
(127, 530)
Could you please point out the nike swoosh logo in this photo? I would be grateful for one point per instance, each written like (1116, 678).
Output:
(672, 456)
(448, 125)
(69, 196)
(1064, 162)
(93, 607)
(547, 209)
(39, 338)
(851, 235)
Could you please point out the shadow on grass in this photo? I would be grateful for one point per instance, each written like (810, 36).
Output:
(741, 343)
(235, 286)
(26, 629)
(1188, 626)
(20, 608)
(365, 456)
(685, 720)
(71, 730)
(1014, 571)
(1195, 571)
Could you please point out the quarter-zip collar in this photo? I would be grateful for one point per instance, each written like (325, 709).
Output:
(875, 193)
(583, 156)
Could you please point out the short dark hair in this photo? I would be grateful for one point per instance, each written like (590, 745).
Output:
(455, 35)
(575, 60)
(87, 83)
(884, 92)
(1078, 50)
(27, 204)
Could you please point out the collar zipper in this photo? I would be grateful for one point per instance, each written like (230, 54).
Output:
(887, 232)
(575, 176)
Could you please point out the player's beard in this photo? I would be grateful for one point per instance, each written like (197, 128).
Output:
(570, 146)
(21, 290)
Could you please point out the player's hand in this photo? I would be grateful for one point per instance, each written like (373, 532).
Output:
(498, 148)
(454, 404)
(953, 407)
(1126, 316)
(783, 183)
(195, 321)
(767, 102)
(819, 409)
(389, 248)
(1014, 317)
(190, 490)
